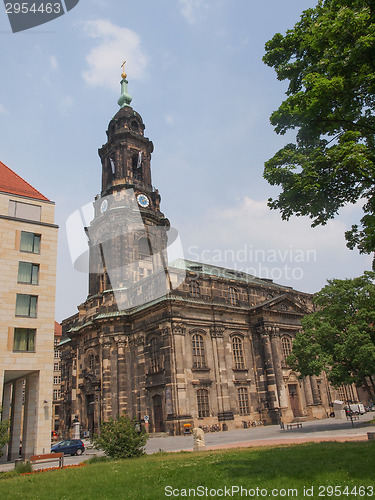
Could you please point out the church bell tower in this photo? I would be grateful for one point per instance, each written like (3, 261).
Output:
(128, 236)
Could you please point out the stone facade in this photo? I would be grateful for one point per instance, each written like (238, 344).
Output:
(209, 351)
(28, 240)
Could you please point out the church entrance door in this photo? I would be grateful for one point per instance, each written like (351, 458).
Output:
(294, 400)
(158, 413)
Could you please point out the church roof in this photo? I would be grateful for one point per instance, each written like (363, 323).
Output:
(12, 183)
(222, 272)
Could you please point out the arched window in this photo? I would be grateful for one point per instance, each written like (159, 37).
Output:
(155, 357)
(243, 401)
(237, 345)
(92, 362)
(137, 165)
(194, 289)
(198, 352)
(203, 404)
(233, 296)
(286, 343)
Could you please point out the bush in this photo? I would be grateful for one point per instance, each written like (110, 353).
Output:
(121, 438)
(23, 467)
(4, 432)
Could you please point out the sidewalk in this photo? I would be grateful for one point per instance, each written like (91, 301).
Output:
(271, 435)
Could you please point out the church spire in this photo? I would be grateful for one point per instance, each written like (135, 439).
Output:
(125, 99)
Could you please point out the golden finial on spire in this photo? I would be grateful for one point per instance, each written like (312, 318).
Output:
(124, 75)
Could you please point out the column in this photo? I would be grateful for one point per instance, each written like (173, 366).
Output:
(114, 383)
(122, 375)
(15, 421)
(315, 392)
(106, 378)
(6, 405)
(217, 335)
(270, 372)
(308, 391)
(277, 364)
(29, 416)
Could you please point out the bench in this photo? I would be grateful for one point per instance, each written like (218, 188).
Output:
(297, 425)
(49, 457)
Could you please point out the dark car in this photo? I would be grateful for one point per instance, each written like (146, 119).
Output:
(69, 447)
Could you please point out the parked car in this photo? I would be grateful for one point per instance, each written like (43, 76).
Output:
(355, 409)
(69, 447)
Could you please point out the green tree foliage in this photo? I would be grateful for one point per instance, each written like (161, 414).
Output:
(121, 438)
(328, 58)
(339, 337)
(4, 432)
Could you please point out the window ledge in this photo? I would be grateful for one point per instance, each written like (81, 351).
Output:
(205, 369)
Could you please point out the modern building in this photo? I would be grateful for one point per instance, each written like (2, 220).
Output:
(28, 242)
(178, 345)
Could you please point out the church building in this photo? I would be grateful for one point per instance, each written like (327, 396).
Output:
(179, 344)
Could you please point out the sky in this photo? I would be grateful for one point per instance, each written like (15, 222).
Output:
(196, 76)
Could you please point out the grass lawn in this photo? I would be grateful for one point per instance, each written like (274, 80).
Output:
(313, 465)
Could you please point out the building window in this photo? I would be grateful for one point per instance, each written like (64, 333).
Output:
(233, 296)
(92, 362)
(243, 401)
(24, 339)
(286, 343)
(30, 242)
(203, 405)
(56, 367)
(57, 379)
(25, 211)
(155, 359)
(26, 305)
(56, 342)
(237, 345)
(56, 394)
(57, 354)
(144, 249)
(198, 352)
(194, 289)
(28, 273)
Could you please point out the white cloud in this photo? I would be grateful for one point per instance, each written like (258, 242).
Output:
(115, 44)
(53, 63)
(252, 238)
(190, 9)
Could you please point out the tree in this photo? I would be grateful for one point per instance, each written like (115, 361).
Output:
(339, 337)
(4, 432)
(329, 60)
(121, 438)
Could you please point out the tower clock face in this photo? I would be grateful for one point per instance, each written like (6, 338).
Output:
(143, 200)
(104, 206)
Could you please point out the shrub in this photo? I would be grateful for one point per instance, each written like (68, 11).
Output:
(121, 438)
(23, 467)
(4, 432)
